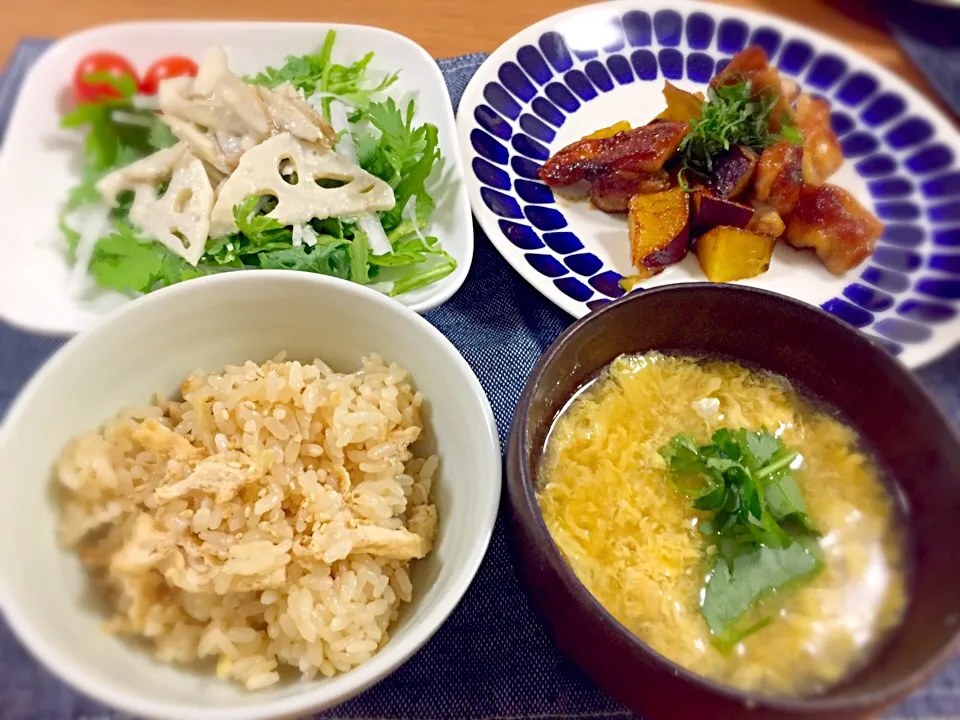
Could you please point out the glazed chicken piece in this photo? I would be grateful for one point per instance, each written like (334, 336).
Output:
(751, 64)
(779, 176)
(822, 156)
(612, 192)
(641, 150)
(766, 220)
(829, 220)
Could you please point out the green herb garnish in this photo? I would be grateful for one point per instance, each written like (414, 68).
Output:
(761, 536)
(731, 115)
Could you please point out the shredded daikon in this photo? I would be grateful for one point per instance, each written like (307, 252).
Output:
(410, 213)
(377, 239)
(304, 234)
(93, 226)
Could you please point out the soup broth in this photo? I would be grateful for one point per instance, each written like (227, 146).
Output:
(635, 542)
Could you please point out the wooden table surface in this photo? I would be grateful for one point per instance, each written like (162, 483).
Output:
(443, 27)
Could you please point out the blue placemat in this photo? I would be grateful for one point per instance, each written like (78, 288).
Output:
(927, 34)
(492, 659)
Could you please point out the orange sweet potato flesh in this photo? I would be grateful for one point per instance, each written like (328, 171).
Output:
(728, 253)
(659, 227)
(682, 106)
(829, 220)
(609, 131)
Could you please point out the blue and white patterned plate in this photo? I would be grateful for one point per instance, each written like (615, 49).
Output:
(588, 68)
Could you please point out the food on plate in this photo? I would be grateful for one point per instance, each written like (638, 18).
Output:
(606, 132)
(612, 192)
(733, 172)
(165, 68)
(738, 529)
(730, 253)
(829, 220)
(659, 229)
(268, 518)
(779, 176)
(746, 153)
(308, 166)
(822, 155)
(641, 150)
(766, 220)
(102, 76)
(709, 211)
(682, 106)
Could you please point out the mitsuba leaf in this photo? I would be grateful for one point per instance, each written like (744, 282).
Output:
(734, 588)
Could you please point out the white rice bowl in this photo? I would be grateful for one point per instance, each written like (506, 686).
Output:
(340, 620)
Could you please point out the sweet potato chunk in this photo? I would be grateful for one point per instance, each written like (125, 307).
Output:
(727, 254)
(607, 132)
(709, 211)
(641, 150)
(612, 192)
(822, 155)
(682, 106)
(659, 226)
(831, 221)
(779, 176)
(733, 172)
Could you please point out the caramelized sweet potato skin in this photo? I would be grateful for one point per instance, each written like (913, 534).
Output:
(779, 176)
(727, 254)
(829, 220)
(612, 192)
(822, 155)
(641, 150)
(733, 172)
(709, 211)
(659, 227)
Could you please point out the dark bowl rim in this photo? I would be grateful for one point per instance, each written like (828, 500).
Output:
(586, 601)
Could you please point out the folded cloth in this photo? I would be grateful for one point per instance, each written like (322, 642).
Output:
(492, 659)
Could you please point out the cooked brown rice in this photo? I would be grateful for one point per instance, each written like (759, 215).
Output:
(268, 519)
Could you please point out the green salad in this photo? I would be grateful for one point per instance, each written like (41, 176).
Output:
(138, 153)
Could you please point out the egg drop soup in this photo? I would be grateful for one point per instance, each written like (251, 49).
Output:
(633, 536)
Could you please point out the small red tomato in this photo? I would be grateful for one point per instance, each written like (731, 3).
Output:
(110, 63)
(168, 67)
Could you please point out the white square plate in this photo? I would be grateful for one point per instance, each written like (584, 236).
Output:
(40, 162)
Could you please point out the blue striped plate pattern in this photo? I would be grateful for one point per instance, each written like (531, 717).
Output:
(588, 68)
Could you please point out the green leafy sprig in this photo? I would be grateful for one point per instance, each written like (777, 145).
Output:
(761, 537)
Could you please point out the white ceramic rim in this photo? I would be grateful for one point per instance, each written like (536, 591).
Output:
(446, 287)
(365, 675)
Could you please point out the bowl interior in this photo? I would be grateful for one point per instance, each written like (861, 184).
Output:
(32, 198)
(827, 360)
(152, 345)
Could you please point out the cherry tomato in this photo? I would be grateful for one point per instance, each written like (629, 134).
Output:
(100, 62)
(168, 67)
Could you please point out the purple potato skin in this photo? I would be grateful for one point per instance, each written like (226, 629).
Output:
(674, 252)
(733, 172)
(711, 211)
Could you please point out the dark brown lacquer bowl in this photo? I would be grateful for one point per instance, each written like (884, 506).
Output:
(829, 361)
